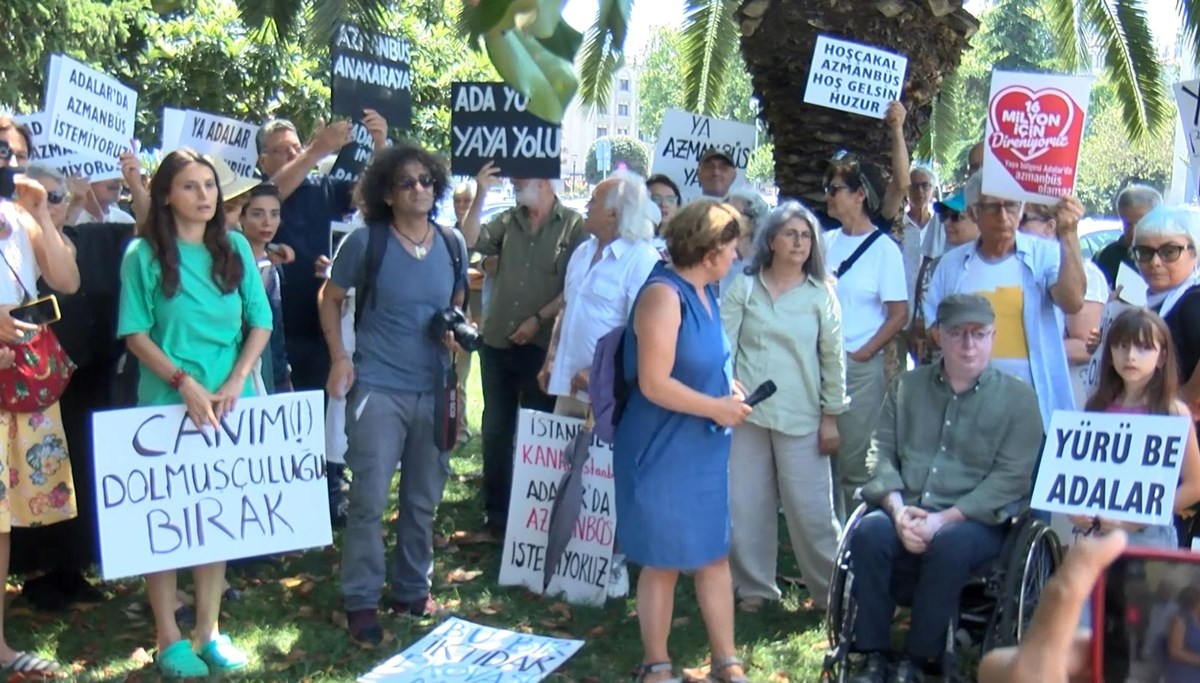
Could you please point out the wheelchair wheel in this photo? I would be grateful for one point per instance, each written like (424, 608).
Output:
(1032, 559)
(839, 619)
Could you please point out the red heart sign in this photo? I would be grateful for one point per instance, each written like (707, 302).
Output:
(1036, 136)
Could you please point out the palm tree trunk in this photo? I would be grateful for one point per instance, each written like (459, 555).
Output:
(777, 42)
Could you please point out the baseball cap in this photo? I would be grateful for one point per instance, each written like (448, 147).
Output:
(963, 309)
(715, 153)
(956, 202)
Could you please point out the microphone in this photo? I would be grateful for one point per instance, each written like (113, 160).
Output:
(764, 391)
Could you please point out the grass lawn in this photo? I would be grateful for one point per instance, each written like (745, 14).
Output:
(291, 625)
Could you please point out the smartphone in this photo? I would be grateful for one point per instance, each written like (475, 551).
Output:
(41, 311)
(1136, 605)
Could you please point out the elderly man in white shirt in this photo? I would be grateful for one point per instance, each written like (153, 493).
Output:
(603, 279)
(104, 209)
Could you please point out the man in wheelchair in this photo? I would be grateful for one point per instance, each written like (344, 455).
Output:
(955, 445)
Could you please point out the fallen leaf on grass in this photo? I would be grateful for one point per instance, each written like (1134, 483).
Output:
(339, 619)
(595, 633)
(461, 575)
(306, 588)
(471, 538)
(779, 677)
(291, 582)
(296, 654)
(305, 610)
(490, 610)
(141, 657)
(561, 609)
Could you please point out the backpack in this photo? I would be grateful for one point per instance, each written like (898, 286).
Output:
(608, 388)
(377, 241)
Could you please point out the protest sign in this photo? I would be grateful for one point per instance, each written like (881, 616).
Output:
(458, 651)
(539, 464)
(68, 162)
(212, 134)
(89, 111)
(488, 122)
(1132, 285)
(171, 495)
(1187, 96)
(1090, 372)
(1034, 131)
(852, 77)
(684, 137)
(369, 71)
(1117, 466)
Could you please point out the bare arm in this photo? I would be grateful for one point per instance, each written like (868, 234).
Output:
(1187, 493)
(1175, 646)
(656, 323)
(893, 197)
(327, 140)
(488, 176)
(151, 356)
(1079, 328)
(329, 308)
(54, 253)
(1068, 291)
(252, 349)
(897, 313)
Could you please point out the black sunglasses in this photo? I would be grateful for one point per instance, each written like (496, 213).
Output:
(56, 197)
(951, 216)
(410, 183)
(1169, 253)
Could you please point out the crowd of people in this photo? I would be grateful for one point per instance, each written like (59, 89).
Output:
(212, 287)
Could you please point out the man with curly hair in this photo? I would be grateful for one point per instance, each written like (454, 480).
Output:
(391, 382)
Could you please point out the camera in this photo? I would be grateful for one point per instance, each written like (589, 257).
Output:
(453, 320)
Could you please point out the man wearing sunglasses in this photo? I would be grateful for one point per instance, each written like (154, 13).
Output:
(1024, 278)
(526, 249)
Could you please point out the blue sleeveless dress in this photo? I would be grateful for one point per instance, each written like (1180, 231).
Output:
(671, 472)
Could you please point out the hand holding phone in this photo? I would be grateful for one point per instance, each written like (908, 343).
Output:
(41, 311)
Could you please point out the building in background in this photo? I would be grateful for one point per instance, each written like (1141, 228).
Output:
(582, 125)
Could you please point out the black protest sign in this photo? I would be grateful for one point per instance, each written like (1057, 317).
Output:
(353, 158)
(369, 71)
(489, 122)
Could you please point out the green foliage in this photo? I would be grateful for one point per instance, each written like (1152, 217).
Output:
(709, 47)
(660, 88)
(1109, 161)
(625, 150)
(760, 170)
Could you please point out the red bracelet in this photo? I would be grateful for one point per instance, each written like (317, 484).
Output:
(177, 379)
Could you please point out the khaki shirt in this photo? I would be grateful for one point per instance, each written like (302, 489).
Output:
(974, 451)
(531, 269)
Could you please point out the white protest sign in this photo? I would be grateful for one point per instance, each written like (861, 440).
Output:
(684, 137)
(852, 77)
(1090, 372)
(1034, 131)
(1187, 96)
(212, 134)
(539, 464)
(90, 111)
(1117, 466)
(170, 495)
(67, 162)
(1132, 285)
(459, 651)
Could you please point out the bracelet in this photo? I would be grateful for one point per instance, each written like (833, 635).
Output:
(178, 378)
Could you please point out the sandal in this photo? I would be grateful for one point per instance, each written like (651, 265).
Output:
(178, 660)
(221, 655)
(723, 664)
(657, 668)
(25, 663)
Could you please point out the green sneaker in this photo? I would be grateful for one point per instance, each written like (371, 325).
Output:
(222, 656)
(178, 660)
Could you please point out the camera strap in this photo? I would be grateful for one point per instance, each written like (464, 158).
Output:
(25, 297)
(377, 241)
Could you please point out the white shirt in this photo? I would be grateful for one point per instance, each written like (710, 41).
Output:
(876, 279)
(115, 214)
(1001, 282)
(933, 240)
(597, 298)
(915, 238)
(18, 252)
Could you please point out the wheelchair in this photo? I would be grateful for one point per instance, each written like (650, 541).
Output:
(995, 608)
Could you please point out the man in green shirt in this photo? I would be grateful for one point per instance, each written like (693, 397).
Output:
(526, 250)
(952, 457)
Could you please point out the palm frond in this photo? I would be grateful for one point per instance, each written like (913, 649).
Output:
(1069, 31)
(603, 51)
(1131, 62)
(708, 47)
(272, 19)
(946, 125)
(1189, 13)
(327, 14)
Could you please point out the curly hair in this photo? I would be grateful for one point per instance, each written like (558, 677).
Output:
(701, 227)
(379, 178)
(161, 232)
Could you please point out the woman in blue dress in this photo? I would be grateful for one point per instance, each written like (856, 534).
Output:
(671, 454)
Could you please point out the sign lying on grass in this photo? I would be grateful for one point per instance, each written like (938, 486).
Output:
(171, 495)
(369, 71)
(852, 77)
(1120, 467)
(459, 651)
(684, 137)
(68, 162)
(1034, 131)
(488, 122)
(90, 111)
(539, 465)
(212, 134)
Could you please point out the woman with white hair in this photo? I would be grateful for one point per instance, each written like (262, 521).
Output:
(755, 209)
(1164, 248)
(784, 323)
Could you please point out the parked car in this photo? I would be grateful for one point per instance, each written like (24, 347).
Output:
(1097, 233)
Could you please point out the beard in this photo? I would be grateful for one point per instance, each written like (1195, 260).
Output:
(528, 196)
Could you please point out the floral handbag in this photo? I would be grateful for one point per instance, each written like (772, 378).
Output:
(41, 371)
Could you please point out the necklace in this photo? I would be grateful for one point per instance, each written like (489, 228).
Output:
(419, 249)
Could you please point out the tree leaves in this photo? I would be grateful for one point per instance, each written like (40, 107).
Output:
(709, 48)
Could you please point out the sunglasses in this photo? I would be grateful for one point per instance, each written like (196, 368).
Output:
(1169, 253)
(832, 189)
(410, 183)
(1036, 218)
(56, 197)
(952, 216)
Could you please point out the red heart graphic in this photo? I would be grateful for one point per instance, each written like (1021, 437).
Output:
(1036, 136)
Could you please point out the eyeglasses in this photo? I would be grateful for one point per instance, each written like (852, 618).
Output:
(1169, 253)
(923, 186)
(664, 199)
(977, 335)
(832, 189)
(796, 235)
(952, 216)
(994, 208)
(410, 183)
(56, 197)
(1035, 218)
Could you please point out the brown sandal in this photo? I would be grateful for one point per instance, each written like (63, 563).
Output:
(657, 668)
